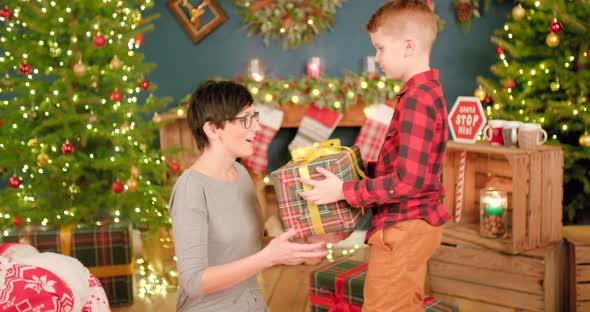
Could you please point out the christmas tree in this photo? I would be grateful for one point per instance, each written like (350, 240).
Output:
(75, 145)
(542, 76)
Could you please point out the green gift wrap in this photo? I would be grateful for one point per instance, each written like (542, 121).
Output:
(338, 286)
(313, 219)
(106, 251)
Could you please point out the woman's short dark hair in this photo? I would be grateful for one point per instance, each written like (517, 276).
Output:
(215, 101)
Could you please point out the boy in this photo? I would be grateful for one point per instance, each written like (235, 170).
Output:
(405, 188)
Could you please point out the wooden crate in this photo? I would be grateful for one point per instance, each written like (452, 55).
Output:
(533, 180)
(578, 288)
(481, 280)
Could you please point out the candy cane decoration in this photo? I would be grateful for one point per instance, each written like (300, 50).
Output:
(460, 186)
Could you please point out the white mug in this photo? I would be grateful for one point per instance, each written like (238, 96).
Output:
(531, 135)
(510, 133)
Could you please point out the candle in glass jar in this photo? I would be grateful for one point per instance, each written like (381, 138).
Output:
(493, 206)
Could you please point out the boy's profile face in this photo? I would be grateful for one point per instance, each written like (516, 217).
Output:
(390, 53)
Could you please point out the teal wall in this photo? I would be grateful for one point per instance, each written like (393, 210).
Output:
(182, 65)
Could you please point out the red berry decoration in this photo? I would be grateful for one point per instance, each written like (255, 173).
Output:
(17, 221)
(144, 84)
(488, 100)
(556, 27)
(139, 39)
(499, 50)
(5, 13)
(174, 167)
(118, 187)
(14, 181)
(99, 40)
(116, 96)
(510, 84)
(67, 148)
(24, 68)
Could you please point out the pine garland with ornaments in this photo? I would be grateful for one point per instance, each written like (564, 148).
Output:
(73, 141)
(293, 21)
(542, 76)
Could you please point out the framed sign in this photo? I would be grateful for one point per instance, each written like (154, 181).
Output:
(466, 119)
(198, 18)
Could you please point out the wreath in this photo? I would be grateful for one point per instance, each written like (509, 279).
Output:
(293, 21)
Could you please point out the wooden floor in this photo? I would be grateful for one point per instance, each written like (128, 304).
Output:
(285, 288)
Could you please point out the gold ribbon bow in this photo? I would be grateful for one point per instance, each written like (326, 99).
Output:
(306, 155)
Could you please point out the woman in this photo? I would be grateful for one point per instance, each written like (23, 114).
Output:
(213, 209)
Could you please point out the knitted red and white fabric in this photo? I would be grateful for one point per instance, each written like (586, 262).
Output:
(44, 282)
(316, 126)
(270, 123)
(373, 131)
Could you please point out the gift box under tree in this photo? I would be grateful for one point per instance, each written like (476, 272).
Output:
(338, 286)
(314, 219)
(105, 250)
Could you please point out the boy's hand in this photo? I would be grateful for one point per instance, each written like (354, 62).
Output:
(326, 191)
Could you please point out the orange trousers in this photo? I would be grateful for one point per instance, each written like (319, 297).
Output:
(397, 266)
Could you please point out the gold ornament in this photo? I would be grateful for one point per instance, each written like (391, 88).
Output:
(115, 63)
(518, 12)
(132, 184)
(585, 139)
(79, 69)
(157, 118)
(134, 171)
(143, 225)
(42, 160)
(125, 127)
(552, 40)
(137, 17)
(480, 93)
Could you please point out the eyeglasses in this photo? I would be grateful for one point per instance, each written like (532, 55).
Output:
(247, 119)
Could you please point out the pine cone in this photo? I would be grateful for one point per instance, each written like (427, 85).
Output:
(463, 10)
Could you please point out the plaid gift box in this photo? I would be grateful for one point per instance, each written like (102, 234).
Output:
(105, 250)
(338, 286)
(314, 219)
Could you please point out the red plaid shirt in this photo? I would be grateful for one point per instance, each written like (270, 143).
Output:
(407, 176)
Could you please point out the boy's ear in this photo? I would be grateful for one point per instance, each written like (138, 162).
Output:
(409, 46)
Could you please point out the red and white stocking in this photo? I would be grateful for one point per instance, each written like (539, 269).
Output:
(270, 123)
(316, 126)
(373, 131)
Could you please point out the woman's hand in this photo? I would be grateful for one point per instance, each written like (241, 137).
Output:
(282, 251)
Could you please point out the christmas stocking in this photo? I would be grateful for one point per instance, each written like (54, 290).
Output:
(373, 131)
(316, 126)
(270, 123)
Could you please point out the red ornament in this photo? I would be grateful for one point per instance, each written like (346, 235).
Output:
(99, 40)
(17, 221)
(510, 84)
(5, 13)
(14, 181)
(118, 187)
(588, 52)
(499, 50)
(139, 39)
(1, 122)
(67, 148)
(174, 167)
(556, 27)
(488, 100)
(24, 68)
(144, 84)
(292, 84)
(116, 96)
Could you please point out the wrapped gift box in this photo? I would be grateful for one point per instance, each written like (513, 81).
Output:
(313, 219)
(105, 250)
(339, 285)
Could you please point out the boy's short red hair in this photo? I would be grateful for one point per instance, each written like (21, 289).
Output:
(401, 12)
